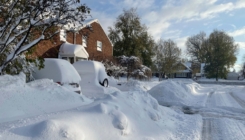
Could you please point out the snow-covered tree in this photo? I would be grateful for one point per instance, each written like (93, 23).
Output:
(135, 68)
(130, 66)
(114, 69)
(24, 23)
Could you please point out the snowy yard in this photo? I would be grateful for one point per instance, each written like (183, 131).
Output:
(178, 109)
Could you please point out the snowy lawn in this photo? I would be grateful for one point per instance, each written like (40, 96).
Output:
(43, 110)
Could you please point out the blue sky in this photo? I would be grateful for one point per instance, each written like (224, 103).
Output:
(179, 19)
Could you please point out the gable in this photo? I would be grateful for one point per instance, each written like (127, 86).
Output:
(182, 67)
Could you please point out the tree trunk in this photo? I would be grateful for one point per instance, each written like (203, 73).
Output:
(217, 73)
(159, 76)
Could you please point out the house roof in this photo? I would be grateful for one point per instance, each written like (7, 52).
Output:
(87, 23)
(187, 65)
(73, 50)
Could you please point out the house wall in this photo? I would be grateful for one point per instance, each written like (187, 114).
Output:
(97, 34)
(50, 48)
(183, 72)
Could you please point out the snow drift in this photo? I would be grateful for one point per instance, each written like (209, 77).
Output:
(44, 110)
(19, 99)
(175, 93)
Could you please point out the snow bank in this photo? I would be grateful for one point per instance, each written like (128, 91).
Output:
(179, 93)
(133, 114)
(20, 100)
(50, 130)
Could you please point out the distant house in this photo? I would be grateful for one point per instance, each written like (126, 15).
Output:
(183, 70)
(87, 42)
(202, 71)
(232, 76)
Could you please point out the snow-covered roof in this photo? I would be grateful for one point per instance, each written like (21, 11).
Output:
(67, 49)
(87, 23)
(187, 65)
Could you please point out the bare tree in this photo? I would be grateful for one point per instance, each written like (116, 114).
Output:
(196, 47)
(24, 23)
(167, 56)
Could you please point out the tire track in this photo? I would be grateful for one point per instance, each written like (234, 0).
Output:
(206, 126)
(206, 129)
(208, 101)
(238, 100)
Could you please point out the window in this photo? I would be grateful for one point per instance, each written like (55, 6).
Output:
(84, 41)
(99, 46)
(79, 59)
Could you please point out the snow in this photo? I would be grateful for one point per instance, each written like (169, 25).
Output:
(92, 74)
(173, 92)
(94, 69)
(58, 70)
(132, 110)
(62, 35)
(73, 50)
(20, 100)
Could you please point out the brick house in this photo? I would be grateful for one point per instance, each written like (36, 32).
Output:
(88, 42)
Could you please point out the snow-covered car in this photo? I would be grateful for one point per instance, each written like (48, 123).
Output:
(61, 72)
(92, 72)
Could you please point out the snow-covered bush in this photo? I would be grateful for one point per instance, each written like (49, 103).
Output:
(142, 73)
(131, 66)
(21, 64)
(114, 69)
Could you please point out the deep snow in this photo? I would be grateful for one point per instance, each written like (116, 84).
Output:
(126, 110)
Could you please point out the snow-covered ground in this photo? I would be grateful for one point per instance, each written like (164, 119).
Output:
(178, 109)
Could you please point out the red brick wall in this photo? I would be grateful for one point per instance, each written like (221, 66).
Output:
(97, 34)
(50, 48)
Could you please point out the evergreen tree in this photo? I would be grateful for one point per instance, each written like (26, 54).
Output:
(130, 37)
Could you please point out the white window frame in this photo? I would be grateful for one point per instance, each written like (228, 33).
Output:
(84, 41)
(99, 46)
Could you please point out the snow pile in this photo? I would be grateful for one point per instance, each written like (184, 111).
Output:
(174, 92)
(19, 99)
(128, 115)
(132, 115)
(50, 130)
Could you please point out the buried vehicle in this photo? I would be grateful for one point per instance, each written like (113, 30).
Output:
(61, 72)
(92, 72)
